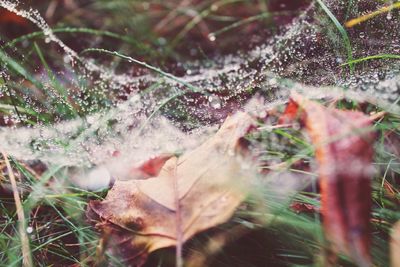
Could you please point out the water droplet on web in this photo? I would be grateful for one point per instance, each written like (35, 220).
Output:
(67, 59)
(118, 128)
(47, 40)
(90, 119)
(212, 37)
(273, 82)
(215, 102)
(162, 41)
(29, 229)
(135, 98)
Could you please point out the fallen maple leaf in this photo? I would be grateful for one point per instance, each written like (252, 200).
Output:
(191, 194)
(344, 154)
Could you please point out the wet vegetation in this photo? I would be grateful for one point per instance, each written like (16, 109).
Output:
(91, 89)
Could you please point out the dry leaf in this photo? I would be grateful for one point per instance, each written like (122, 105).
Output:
(149, 168)
(191, 194)
(344, 154)
(395, 245)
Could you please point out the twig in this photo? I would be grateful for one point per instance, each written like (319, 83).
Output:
(356, 21)
(26, 254)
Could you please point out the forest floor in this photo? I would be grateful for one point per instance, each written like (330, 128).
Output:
(199, 133)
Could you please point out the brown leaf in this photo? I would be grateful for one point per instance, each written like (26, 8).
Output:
(344, 154)
(191, 194)
(395, 245)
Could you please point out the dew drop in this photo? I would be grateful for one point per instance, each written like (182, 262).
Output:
(212, 37)
(214, 7)
(215, 102)
(29, 229)
(161, 41)
(67, 59)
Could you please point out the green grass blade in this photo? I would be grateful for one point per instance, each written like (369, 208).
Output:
(380, 56)
(127, 39)
(144, 64)
(342, 31)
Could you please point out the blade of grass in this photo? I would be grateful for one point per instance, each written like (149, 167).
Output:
(158, 108)
(124, 38)
(26, 253)
(242, 22)
(49, 241)
(342, 31)
(199, 18)
(22, 110)
(59, 88)
(380, 56)
(144, 64)
(2, 82)
(15, 66)
(293, 138)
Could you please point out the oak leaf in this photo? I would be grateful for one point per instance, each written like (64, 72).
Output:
(191, 193)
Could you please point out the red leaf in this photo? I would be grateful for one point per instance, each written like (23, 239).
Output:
(291, 112)
(152, 167)
(303, 207)
(10, 17)
(344, 154)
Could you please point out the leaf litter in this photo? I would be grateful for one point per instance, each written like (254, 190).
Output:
(193, 193)
(343, 143)
(300, 59)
